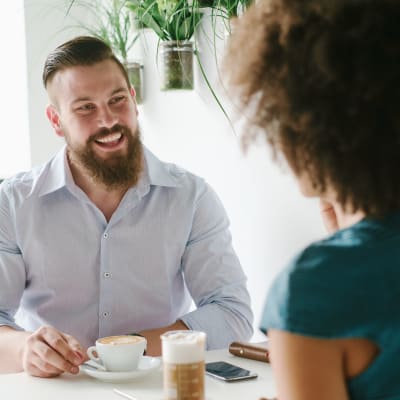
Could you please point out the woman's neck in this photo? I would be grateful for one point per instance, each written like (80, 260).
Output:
(345, 216)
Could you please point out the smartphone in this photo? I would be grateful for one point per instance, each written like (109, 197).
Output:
(228, 372)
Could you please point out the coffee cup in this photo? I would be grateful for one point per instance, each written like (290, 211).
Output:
(117, 353)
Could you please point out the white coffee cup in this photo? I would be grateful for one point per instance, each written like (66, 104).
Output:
(117, 353)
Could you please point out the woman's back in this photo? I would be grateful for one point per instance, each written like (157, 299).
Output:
(347, 287)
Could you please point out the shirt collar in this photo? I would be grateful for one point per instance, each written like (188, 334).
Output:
(59, 173)
(158, 172)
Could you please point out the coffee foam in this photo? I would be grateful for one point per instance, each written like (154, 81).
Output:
(183, 347)
(115, 340)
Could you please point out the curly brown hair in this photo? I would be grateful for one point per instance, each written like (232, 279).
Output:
(322, 81)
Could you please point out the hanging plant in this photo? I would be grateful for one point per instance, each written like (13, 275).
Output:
(170, 19)
(174, 22)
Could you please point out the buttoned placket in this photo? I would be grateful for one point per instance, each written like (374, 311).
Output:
(107, 294)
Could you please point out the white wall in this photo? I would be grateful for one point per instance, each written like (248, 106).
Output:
(45, 25)
(14, 139)
(270, 220)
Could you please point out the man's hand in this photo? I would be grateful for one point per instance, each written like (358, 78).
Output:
(48, 352)
(329, 216)
(153, 337)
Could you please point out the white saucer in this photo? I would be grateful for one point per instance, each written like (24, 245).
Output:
(146, 365)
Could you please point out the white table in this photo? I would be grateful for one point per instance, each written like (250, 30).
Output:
(82, 387)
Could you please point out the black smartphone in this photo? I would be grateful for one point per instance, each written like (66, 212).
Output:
(228, 372)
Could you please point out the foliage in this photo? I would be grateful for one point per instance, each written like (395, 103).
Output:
(112, 23)
(231, 8)
(169, 19)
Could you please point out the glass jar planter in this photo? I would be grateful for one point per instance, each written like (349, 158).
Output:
(135, 75)
(176, 65)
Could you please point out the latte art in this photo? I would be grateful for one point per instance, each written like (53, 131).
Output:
(124, 339)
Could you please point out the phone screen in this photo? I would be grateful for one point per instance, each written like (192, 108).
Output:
(228, 372)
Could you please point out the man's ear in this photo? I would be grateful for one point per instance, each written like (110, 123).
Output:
(54, 117)
(133, 94)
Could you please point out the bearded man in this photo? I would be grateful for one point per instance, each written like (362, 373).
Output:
(105, 239)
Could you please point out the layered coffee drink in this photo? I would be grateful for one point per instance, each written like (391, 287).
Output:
(122, 339)
(183, 364)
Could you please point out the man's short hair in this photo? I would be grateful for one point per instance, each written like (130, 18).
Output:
(80, 51)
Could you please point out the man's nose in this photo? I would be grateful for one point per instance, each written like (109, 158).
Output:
(106, 117)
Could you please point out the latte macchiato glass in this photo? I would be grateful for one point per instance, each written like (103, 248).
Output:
(118, 353)
(183, 365)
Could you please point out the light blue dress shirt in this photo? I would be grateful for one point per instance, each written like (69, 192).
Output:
(168, 243)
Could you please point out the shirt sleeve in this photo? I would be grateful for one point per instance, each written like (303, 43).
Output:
(12, 269)
(215, 277)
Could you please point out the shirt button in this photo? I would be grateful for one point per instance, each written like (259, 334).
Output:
(106, 314)
(107, 275)
(105, 235)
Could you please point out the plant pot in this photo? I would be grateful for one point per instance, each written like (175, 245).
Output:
(176, 65)
(135, 74)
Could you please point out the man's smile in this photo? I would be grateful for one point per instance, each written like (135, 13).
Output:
(110, 141)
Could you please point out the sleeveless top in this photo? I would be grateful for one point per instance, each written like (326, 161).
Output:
(347, 286)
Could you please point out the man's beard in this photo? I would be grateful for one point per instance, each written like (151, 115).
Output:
(117, 170)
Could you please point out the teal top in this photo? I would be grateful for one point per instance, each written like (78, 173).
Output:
(345, 286)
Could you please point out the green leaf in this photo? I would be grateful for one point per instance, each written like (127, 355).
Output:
(169, 19)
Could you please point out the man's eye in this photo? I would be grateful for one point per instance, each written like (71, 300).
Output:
(116, 100)
(86, 107)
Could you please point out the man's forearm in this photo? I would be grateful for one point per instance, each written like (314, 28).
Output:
(11, 345)
(153, 337)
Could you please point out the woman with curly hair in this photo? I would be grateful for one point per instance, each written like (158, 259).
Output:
(320, 80)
